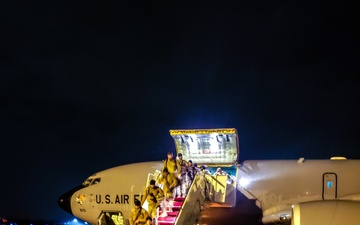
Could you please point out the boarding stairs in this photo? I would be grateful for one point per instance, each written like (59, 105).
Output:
(186, 210)
(214, 147)
(172, 212)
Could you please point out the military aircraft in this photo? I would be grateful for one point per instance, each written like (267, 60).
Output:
(302, 191)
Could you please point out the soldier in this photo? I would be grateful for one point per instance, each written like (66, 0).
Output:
(154, 195)
(169, 182)
(191, 170)
(181, 190)
(219, 171)
(204, 171)
(138, 215)
(171, 164)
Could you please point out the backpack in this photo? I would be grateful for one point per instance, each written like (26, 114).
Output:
(153, 198)
(166, 161)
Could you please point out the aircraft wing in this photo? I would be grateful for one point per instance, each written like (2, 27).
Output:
(303, 192)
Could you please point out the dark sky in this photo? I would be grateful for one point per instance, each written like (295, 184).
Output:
(87, 85)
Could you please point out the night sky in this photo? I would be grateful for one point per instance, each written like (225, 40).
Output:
(88, 85)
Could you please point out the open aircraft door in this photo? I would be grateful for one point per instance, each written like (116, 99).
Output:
(213, 148)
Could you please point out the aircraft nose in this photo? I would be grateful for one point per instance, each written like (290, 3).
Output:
(65, 200)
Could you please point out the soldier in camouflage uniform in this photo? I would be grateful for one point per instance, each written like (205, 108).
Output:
(154, 195)
(181, 190)
(138, 215)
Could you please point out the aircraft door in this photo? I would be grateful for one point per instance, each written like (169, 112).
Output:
(329, 186)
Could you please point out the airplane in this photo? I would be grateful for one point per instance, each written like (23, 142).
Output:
(306, 192)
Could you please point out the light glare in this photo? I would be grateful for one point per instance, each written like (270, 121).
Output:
(244, 182)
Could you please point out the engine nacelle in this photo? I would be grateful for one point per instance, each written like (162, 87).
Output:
(282, 216)
(334, 212)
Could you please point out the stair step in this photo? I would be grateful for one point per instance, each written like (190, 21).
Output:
(180, 199)
(166, 220)
(171, 214)
(177, 204)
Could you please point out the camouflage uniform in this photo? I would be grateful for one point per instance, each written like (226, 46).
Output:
(138, 214)
(181, 190)
(168, 182)
(172, 165)
(192, 170)
(153, 194)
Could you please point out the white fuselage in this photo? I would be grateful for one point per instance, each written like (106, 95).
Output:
(116, 191)
(278, 184)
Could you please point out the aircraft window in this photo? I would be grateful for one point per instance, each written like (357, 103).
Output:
(96, 181)
(91, 181)
(329, 184)
(87, 182)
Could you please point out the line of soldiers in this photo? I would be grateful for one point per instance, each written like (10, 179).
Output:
(184, 172)
(175, 179)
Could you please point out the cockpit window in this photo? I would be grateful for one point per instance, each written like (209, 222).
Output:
(91, 181)
(87, 182)
(96, 180)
